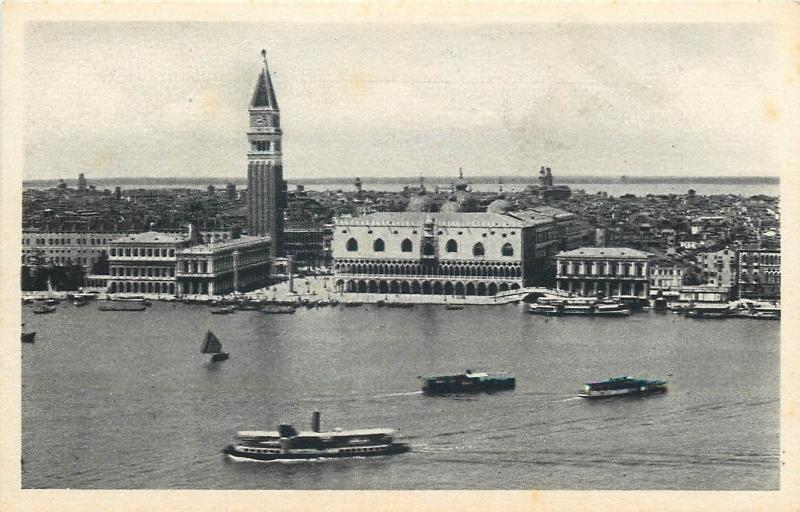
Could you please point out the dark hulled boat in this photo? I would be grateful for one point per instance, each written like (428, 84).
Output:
(288, 444)
(28, 337)
(212, 345)
(42, 310)
(617, 386)
(468, 382)
(278, 310)
(226, 310)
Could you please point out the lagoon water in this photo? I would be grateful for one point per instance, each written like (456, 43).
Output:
(116, 400)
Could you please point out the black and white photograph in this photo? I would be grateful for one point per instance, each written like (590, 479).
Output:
(446, 252)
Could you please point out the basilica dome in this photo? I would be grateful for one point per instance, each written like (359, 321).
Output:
(421, 202)
(499, 205)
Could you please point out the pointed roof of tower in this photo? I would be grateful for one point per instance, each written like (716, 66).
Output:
(264, 94)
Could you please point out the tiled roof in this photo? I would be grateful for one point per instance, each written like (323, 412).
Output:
(243, 240)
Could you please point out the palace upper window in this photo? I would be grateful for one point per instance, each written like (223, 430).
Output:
(406, 245)
(352, 245)
(477, 249)
(379, 245)
(507, 250)
(451, 246)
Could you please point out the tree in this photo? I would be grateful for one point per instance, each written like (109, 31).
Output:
(101, 265)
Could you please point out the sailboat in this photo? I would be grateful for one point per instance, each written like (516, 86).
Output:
(212, 345)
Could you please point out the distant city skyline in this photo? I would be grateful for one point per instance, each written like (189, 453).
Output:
(170, 99)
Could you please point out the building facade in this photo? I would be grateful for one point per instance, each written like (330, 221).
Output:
(440, 253)
(718, 268)
(309, 245)
(759, 273)
(607, 271)
(237, 264)
(144, 262)
(65, 248)
(666, 274)
(266, 190)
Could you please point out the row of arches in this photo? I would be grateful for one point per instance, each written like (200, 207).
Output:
(415, 269)
(137, 287)
(379, 245)
(767, 277)
(424, 287)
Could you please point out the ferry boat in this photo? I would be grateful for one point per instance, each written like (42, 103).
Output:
(467, 382)
(139, 299)
(545, 309)
(577, 308)
(709, 311)
(617, 386)
(611, 309)
(288, 444)
(758, 310)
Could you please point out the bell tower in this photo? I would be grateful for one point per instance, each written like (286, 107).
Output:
(266, 190)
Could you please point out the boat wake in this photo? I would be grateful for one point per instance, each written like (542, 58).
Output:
(570, 399)
(406, 393)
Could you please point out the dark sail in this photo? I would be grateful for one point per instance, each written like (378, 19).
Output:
(211, 344)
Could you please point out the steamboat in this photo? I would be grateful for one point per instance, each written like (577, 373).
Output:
(288, 444)
(617, 386)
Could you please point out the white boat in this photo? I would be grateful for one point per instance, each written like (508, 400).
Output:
(611, 309)
(545, 309)
(288, 444)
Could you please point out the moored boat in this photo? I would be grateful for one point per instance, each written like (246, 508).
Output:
(617, 386)
(227, 310)
(709, 311)
(611, 309)
(545, 309)
(28, 337)
(288, 444)
(467, 382)
(400, 304)
(250, 306)
(454, 307)
(42, 310)
(353, 304)
(212, 345)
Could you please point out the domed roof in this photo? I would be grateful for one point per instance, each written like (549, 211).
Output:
(452, 205)
(499, 205)
(421, 203)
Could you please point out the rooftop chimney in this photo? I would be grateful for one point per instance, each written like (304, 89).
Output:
(315, 422)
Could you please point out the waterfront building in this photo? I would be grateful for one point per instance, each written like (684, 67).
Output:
(309, 245)
(718, 268)
(144, 262)
(441, 253)
(666, 275)
(759, 273)
(610, 271)
(235, 264)
(266, 190)
(705, 293)
(64, 248)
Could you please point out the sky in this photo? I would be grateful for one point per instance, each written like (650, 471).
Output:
(170, 99)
